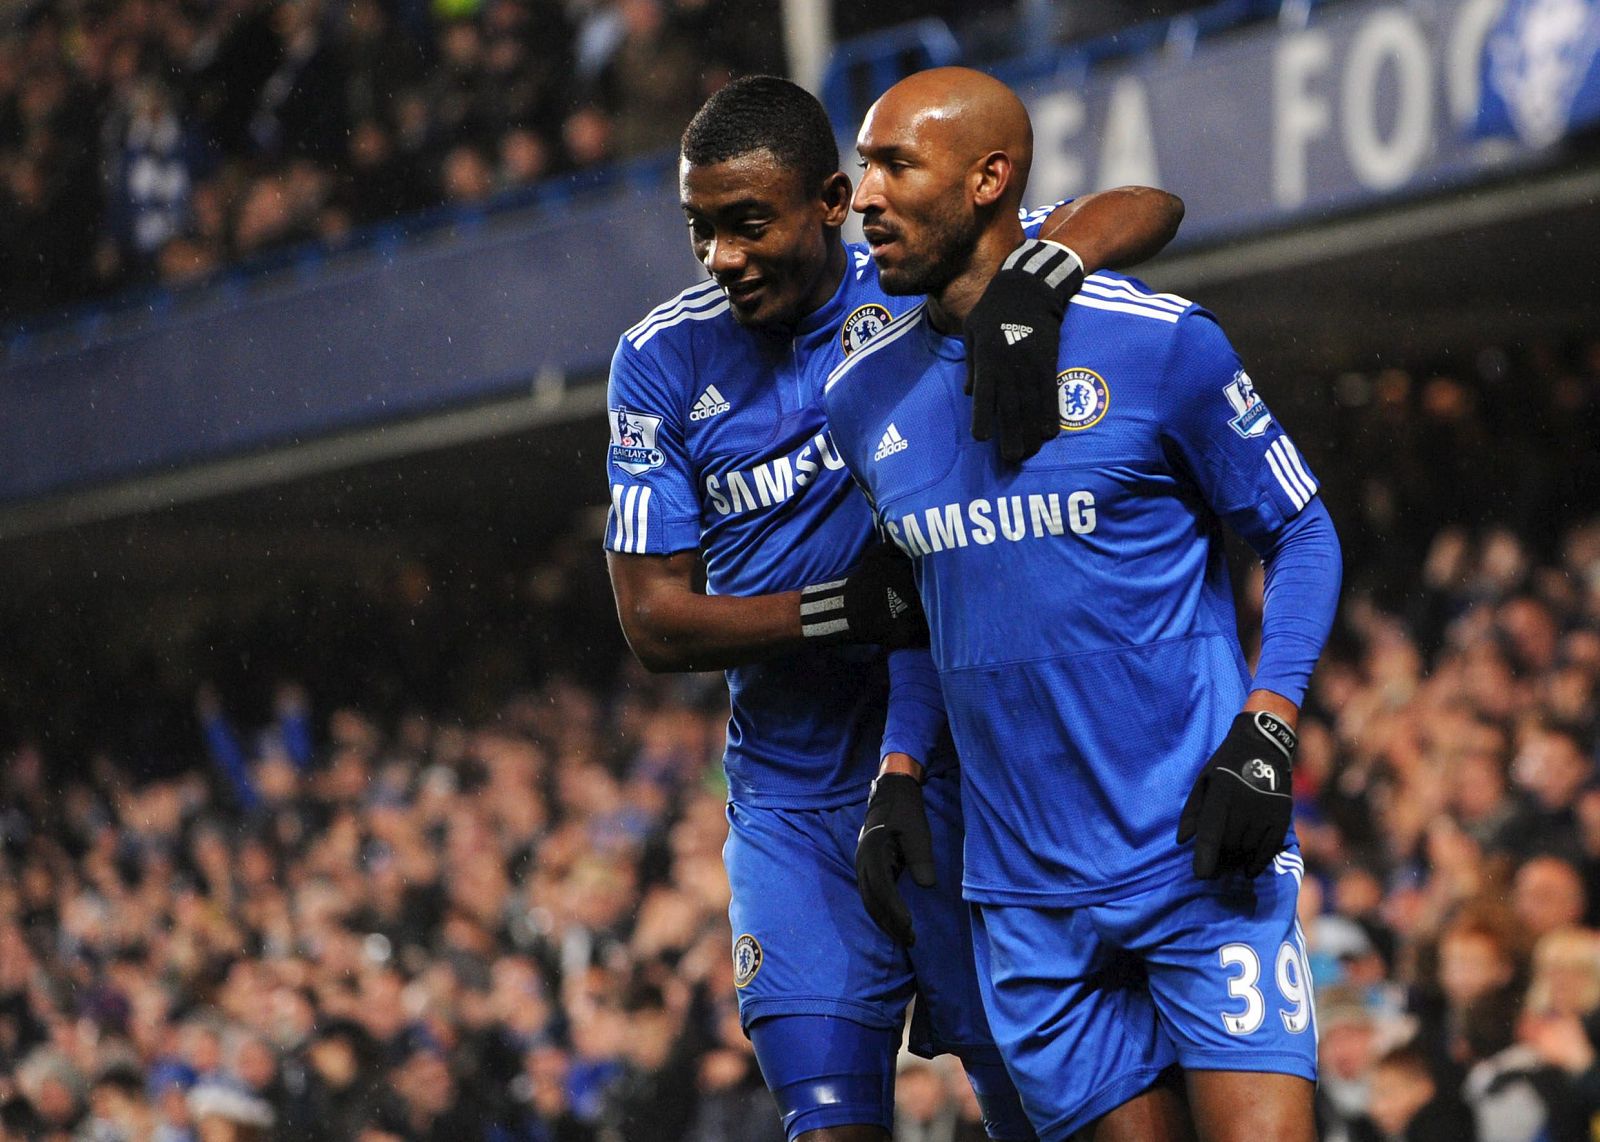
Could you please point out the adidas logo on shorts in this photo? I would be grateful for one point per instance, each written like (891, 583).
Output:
(709, 404)
(891, 443)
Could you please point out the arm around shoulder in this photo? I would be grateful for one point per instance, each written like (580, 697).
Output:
(1118, 228)
(1012, 381)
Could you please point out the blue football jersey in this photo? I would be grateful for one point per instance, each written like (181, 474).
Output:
(1082, 619)
(719, 442)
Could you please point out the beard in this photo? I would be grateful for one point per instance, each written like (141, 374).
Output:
(943, 253)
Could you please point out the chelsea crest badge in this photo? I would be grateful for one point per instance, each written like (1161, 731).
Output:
(1083, 398)
(746, 959)
(865, 323)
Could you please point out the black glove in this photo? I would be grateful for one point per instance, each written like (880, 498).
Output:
(875, 603)
(894, 837)
(1013, 335)
(1240, 808)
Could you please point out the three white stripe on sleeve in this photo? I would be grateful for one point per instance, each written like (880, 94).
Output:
(630, 508)
(1291, 472)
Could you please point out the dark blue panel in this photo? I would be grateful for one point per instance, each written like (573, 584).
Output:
(377, 336)
(1352, 106)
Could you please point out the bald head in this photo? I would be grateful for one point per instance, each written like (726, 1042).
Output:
(946, 154)
(971, 114)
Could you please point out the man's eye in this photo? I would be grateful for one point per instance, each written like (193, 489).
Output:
(753, 233)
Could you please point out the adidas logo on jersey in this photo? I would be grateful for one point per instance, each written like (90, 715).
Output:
(1014, 332)
(709, 404)
(891, 443)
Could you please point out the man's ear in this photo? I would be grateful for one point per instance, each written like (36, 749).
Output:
(990, 178)
(835, 199)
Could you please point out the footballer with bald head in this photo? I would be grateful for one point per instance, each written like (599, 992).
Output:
(1125, 778)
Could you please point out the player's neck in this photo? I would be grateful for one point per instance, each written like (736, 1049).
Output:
(948, 309)
(828, 279)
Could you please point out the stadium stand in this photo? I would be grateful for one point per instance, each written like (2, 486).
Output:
(433, 859)
(156, 144)
(331, 805)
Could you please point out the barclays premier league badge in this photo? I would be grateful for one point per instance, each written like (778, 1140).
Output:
(633, 441)
(1253, 417)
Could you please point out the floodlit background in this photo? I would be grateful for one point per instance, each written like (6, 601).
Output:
(331, 805)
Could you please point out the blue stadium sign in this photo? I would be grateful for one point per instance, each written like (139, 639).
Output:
(1362, 102)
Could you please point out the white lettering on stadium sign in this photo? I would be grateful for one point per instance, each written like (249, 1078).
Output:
(1366, 100)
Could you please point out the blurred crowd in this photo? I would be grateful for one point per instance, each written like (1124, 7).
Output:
(354, 918)
(1447, 795)
(425, 930)
(1448, 809)
(156, 140)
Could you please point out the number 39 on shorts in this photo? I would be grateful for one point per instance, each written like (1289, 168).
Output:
(1294, 988)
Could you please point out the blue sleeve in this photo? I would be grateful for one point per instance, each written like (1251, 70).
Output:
(654, 506)
(1033, 220)
(1225, 439)
(1303, 571)
(916, 706)
(223, 746)
(1253, 477)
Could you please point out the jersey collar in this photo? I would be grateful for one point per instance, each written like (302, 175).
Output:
(831, 313)
(949, 348)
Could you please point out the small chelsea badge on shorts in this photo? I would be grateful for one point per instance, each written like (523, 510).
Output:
(746, 959)
(862, 326)
(1083, 398)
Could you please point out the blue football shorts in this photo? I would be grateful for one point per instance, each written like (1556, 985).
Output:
(804, 946)
(1090, 1003)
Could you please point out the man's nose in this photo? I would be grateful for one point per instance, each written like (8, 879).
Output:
(724, 257)
(869, 193)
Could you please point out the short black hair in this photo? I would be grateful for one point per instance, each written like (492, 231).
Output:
(764, 112)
